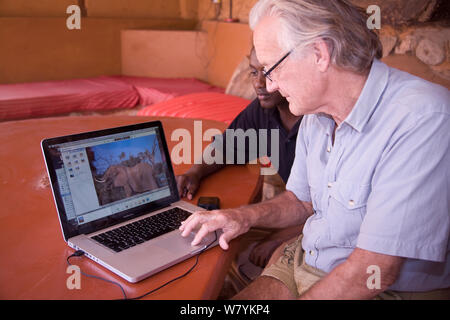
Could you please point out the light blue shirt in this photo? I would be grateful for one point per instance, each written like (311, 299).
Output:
(384, 185)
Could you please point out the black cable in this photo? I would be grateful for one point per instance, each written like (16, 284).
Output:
(80, 253)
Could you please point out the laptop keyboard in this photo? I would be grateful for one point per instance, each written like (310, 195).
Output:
(142, 230)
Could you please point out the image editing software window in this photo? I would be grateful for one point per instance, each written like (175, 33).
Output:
(99, 177)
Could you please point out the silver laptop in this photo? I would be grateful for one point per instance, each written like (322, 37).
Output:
(117, 199)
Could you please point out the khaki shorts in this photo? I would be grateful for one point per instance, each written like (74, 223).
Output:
(292, 271)
(299, 277)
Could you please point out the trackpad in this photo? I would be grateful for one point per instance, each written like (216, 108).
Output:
(208, 240)
(177, 243)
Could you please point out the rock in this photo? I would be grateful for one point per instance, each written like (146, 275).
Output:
(402, 12)
(442, 70)
(437, 34)
(429, 10)
(410, 39)
(407, 44)
(430, 52)
(388, 42)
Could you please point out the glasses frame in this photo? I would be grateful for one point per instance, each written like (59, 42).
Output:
(267, 73)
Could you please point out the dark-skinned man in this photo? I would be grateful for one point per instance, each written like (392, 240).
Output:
(268, 111)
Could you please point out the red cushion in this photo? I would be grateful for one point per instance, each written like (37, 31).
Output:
(154, 90)
(38, 99)
(203, 105)
(24, 100)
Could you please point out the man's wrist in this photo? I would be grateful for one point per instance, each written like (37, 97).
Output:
(252, 215)
(197, 170)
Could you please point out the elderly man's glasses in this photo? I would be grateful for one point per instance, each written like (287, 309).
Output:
(267, 73)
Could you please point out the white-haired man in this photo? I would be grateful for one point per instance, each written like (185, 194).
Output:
(371, 169)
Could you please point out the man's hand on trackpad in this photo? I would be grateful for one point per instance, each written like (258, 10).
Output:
(230, 221)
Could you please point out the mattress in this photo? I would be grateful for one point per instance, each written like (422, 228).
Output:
(40, 99)
(201, 105)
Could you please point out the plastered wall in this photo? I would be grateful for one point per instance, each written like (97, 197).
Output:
(210, 54)
(40, 49)
(35, 44)
(167, 54)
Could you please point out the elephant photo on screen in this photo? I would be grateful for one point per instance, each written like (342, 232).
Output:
(120, 181)
(125, 168)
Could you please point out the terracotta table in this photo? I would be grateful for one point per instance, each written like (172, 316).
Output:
(32, 250)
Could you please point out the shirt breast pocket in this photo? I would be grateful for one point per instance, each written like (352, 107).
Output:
(347, 204)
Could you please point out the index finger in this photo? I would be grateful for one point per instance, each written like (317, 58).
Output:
(184, 222)
(191, 223)
(206, 228)
(181, 184)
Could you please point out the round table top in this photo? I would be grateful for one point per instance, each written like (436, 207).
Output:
(33, 252)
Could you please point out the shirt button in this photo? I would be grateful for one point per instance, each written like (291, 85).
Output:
(311, 252)
(328, 149)
(330, 184)
(351, 203)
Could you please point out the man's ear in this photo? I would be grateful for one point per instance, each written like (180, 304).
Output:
(322, 55)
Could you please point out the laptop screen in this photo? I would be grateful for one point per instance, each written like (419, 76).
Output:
(106, 177)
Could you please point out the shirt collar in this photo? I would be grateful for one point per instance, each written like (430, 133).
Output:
(369, 97)
(326, 121)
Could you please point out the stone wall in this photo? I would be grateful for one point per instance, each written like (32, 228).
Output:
(417, 30)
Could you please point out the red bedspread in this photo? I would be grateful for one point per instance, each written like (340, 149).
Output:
(26, 100)
(39, 99)
(154, 90)
(204, 105)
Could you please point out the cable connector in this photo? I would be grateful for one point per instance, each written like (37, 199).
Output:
(78, 253)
